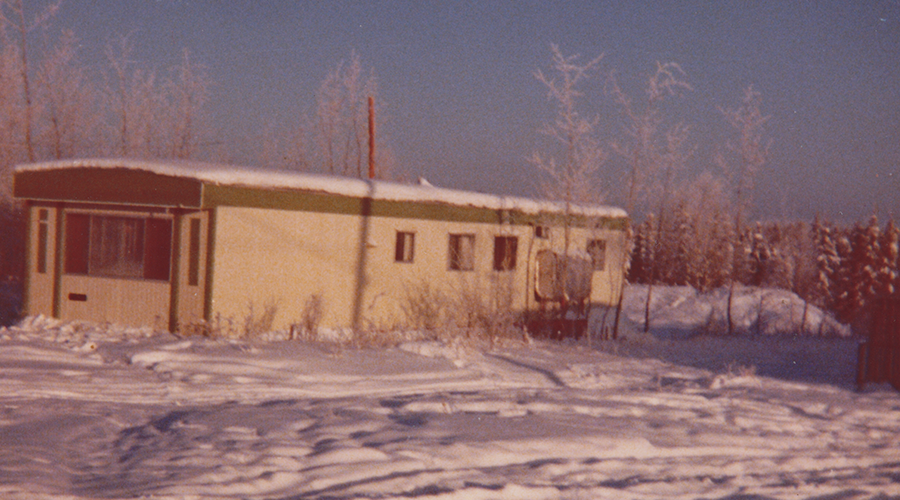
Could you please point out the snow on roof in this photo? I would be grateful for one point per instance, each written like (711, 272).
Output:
(232, 175)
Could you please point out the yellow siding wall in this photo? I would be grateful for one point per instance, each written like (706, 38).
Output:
(283, 257)
(190, 298)
(122, 301)
(606, 285)
(39, 295)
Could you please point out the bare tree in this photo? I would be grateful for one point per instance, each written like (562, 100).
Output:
(579, 153)
(575, 155)
(68, 101)
(653, 154)
(705, 201)
(186, 91)
(119, 58)
(341, 110)
(155, 117)
(12, 17)
(11, 117)
(643, 140)
(741, 163)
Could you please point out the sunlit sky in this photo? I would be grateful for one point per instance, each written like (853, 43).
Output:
(463, 108)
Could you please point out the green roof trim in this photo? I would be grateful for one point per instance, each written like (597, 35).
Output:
(236, 196)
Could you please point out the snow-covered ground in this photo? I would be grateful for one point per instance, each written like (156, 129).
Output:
(105, 412)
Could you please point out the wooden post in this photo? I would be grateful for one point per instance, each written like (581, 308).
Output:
(371, 137)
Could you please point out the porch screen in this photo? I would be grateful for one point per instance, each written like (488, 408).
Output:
(118, 247)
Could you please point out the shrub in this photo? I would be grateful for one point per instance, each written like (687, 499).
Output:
(308, 326)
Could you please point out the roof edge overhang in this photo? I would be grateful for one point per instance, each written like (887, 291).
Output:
(204, 185)
(117, 186)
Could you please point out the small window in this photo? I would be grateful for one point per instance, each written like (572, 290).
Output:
(462, 252)
(194, 254)
(43, 239)
(597, 250)
(505, 248)
(404, 251)
(118, 247)
(542, 232)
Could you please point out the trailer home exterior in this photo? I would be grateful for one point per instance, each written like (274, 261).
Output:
(172, 244)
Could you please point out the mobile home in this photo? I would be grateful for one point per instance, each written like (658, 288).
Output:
(171, 244)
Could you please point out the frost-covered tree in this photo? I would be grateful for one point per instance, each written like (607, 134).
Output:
(642, 253)
(134, 97)
(760, 254)
(742, 161)
(573, 154)
(12, 19)
(186, 92)
(69, 118)
(887, 271)
(152, 116)
(867, 259)
(653, 151)
(644, 133)
(342, 107)
(828, 262)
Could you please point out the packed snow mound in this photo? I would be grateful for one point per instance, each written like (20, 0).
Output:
(682, 311)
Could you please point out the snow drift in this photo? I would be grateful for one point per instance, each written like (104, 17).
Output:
(681, 311)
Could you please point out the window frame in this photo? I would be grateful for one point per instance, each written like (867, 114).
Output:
(43, 240)
(83, 248)
(457, 258)
(597, 264)
(506, 249)
(405, 247)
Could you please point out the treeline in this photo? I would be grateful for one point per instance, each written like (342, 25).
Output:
(840, 268)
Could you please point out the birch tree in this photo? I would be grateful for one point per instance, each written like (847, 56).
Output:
(576, 153)
(69, 102)
(134, 97)
(12, 17)
(341, 118)
(742, 163)
(11, 113)
(187, 91)
(653, 153)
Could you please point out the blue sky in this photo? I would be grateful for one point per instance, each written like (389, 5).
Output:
(463, 107)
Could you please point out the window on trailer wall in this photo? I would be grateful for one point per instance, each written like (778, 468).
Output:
(505, 248)
(597, 250)
(462, 252)
(118, 247)
(404, 251)
(194, 254)
(77, 243)
(43, 239)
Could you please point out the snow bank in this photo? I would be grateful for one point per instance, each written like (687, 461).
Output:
(681, 311)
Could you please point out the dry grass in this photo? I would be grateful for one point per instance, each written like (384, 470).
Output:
(254, 324)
